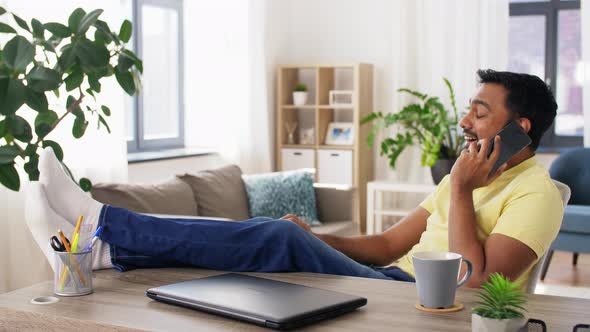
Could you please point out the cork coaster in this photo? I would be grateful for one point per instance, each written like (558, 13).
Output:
(455, 307)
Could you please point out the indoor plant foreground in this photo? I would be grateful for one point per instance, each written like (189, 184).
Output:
(69, 61)
(500, 306)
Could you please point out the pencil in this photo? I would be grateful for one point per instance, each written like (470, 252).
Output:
(76, 234)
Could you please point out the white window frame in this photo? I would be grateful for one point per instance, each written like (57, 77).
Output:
(139, 143)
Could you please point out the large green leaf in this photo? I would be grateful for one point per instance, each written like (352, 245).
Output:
(76, 111)
(6, 28)
(85, 184)
(101, 37)
(44, 121)
(125, 62)
(79, 128)
(9, 177)
(2, 11)
(138, 62)
(94, 83)
(21, 23)
(106, 110)
(105, 33)
(32, 167)
(36, 100)
(67, 57)
(75, 18)
(19, 128)
(125, 81)
(8, 153)
(37, 28)
(48, 46)
(88, 20)
(3, 128)
(74, 79)
(59, 152)
(12, 95)
(43, 79)
(18, 53)
(125, 31)
(91, 55)
(58, 29)
(104, 122)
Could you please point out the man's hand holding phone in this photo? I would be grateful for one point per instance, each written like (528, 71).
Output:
(473, 168)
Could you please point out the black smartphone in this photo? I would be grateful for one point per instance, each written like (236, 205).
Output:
(513, 140)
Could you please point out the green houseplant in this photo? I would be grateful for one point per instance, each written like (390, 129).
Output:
(300, 94)
(427, 123)
(53, 58)
(500, 306)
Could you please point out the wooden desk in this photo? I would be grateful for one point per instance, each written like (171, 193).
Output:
(119, 303)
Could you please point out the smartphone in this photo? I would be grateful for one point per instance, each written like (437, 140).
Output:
(513, 140)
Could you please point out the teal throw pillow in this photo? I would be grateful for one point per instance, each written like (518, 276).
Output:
(278, 194)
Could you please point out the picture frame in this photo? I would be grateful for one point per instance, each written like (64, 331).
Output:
(340, 133)
(341, 98)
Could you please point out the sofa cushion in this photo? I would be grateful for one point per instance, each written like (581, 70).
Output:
(219, 192)
(278, 194)
(170, 197)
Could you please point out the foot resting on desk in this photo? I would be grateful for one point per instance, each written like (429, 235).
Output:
(60, 201)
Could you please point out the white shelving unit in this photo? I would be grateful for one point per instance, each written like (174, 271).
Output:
(375, 210)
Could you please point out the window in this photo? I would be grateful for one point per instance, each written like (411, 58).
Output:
(545, 40)
(155, 120)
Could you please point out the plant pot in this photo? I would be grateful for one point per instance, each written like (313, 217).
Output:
(299, 98)
(441, 168)
(482, 324)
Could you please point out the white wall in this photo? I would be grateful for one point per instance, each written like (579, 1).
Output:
(337, 31)
(152, 172)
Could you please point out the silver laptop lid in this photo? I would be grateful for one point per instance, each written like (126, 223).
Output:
(256, 298)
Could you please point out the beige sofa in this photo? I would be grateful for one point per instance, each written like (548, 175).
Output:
(217, 194)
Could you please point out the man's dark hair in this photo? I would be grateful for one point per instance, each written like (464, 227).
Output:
(528, 97)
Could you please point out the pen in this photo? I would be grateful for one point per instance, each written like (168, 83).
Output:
(93, 239)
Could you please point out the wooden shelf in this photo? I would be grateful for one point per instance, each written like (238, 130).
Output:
(335, 147)
(349, 165)
(299, 106)
(298, 146)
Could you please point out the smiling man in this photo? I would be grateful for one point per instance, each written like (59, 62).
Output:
(501, 222)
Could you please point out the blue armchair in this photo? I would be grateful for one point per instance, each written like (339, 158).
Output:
(573, 168)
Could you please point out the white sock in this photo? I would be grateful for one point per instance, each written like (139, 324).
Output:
(64, 196)
(44, 223)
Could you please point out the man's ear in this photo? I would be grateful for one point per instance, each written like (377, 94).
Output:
(525, 124)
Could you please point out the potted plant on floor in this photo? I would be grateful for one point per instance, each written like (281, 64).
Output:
(427, 123)
(300, 94)
(500, 306)
(71, 60)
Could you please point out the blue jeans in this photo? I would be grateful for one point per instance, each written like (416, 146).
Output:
(255, 245)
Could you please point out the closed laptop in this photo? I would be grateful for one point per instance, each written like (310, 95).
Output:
(260, 301)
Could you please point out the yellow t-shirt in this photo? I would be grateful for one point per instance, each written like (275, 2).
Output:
(522, 203)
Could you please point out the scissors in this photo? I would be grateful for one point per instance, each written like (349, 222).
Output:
(57, 245)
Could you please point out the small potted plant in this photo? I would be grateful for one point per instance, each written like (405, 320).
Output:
(300, 94)
(500, 308)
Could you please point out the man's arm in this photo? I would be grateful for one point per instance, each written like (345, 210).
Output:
(499, 253)
(380, 249)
